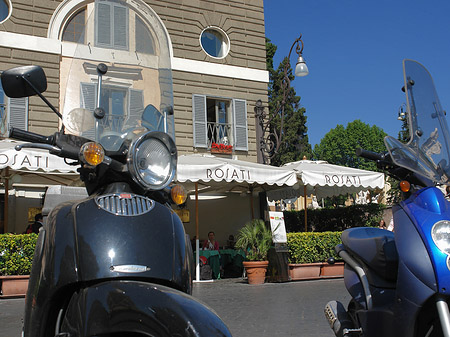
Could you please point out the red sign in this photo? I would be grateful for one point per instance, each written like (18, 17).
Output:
(221, 148)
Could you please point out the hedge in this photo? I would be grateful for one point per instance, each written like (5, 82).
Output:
(334, 219)
(16, 253)
(312, 247)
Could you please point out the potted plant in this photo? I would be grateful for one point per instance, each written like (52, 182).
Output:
(255, 239)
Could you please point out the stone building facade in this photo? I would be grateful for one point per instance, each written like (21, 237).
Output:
(229, 83)
(215, 90)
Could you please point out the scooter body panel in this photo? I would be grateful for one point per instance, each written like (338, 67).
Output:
(425, 208)
(82, 245)
(151, 309)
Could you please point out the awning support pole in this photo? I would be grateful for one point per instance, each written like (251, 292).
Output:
(306, 216)
(197, 241)
(5, 213)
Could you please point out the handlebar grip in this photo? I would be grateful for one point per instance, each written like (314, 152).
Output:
(370, 155)
(30, 136)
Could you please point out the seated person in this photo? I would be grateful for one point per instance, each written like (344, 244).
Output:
(230, 242)
(211, 243)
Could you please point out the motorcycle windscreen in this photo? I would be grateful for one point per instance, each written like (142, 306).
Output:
(136, 92)
(427, 152)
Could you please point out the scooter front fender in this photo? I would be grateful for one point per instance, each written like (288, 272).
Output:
(148, 309)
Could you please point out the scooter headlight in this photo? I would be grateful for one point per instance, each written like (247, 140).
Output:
(152, 160)
(441, 235)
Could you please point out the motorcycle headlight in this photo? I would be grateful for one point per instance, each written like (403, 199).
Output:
(152, 160)
(441, 235)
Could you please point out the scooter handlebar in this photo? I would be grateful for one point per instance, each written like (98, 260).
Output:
(370, 155)
(31, 137)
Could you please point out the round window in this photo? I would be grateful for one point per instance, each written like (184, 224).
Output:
(4, 9)
(215, 42)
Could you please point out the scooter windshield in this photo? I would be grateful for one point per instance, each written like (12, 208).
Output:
(135, 93)
(427, 152)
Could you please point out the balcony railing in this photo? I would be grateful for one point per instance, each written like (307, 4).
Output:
(219, 133)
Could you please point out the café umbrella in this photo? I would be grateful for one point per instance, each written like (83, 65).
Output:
(326, 180)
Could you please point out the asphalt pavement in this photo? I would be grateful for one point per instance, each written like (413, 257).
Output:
(270, 309)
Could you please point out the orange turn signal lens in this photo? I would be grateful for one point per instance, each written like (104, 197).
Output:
(405, 186)
(92, 153)
(178, 194)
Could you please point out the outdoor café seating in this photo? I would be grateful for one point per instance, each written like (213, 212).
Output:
(226, 263)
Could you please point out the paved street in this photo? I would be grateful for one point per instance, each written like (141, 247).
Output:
(271, 309)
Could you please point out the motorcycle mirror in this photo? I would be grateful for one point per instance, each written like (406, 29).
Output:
(152, 119)
(24, 81)
(78, 120)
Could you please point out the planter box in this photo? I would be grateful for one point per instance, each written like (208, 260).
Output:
(332, 270)
(14, 286)
(314, 271)
(304, 271)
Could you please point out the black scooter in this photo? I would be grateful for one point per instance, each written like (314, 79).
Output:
(117, 263)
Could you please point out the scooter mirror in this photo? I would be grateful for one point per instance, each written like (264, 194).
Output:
(24, 81)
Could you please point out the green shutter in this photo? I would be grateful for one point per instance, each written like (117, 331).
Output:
(199, 118)
(240, 124)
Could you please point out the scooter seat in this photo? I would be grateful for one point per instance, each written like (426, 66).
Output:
(375, 247)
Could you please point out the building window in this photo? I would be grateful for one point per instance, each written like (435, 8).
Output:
(111, 29)
(219, 121)
(13, 113)
(4, 10)
(74, 31)
(117, 102)
(218, 117)
(215, 42)
(144, 40)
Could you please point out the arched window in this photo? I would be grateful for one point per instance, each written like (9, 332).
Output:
(74, 30)
(112, 30)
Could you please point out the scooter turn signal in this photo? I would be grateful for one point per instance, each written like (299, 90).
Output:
(178, 194)
(92, 154)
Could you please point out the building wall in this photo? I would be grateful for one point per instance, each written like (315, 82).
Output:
(241, 20)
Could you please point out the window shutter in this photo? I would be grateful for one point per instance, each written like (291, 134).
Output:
(240, 124)
(18, 113)
(103, 24)
(120, 27)
(136, 103)
(88, 96)
(199, 118)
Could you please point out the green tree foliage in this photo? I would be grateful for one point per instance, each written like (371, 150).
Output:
(338, 146)
(294, 139)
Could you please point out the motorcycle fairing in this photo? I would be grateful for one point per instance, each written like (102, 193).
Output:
(425, 208)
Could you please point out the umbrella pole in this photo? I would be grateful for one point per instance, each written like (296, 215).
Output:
(251, 203)
(306, 215)
(197, 242)
(6, 205)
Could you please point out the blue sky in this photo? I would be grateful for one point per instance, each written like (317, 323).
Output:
(354, 51)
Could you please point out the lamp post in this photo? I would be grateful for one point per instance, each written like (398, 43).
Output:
(269, 139)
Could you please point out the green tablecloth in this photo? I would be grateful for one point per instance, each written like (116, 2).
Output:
(227, 258)
(213, 257)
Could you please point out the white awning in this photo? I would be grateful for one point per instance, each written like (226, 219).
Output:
(32, 159)
(225, 174)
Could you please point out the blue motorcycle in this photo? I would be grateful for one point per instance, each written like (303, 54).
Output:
(400, 282)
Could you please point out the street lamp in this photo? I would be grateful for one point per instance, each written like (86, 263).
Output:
(269, 139)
